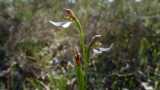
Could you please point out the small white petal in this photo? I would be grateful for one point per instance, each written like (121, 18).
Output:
(104, 49)
(63, 24)
(138, 0)
(101, 49)
(110, 0)
(97, 51)
(146, 86)
(66, 24)
(98, 36)
(125, 89)
(58, 24)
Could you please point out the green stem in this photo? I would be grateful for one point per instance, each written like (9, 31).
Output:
(81, 71)
(81, 78)
(82, 42)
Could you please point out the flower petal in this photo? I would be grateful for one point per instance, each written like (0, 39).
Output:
(105, 49)
(66, 25)
(95, 51)
(63, 24)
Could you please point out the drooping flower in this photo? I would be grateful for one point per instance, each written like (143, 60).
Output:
(69, 14)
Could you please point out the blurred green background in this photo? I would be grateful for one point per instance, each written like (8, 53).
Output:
(35, 55)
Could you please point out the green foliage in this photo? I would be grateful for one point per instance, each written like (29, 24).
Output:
(57, 82)
(30, 47)
(132, 27)
(26, 15)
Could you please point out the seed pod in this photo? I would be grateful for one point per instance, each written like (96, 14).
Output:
(77, 56)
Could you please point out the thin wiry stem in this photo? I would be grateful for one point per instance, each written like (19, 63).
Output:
(80, 69)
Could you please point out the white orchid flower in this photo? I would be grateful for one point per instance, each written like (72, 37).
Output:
(62, 24)
(101, 49)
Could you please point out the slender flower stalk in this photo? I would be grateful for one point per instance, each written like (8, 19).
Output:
(81, 59)
(70, 15)
(80, 69)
